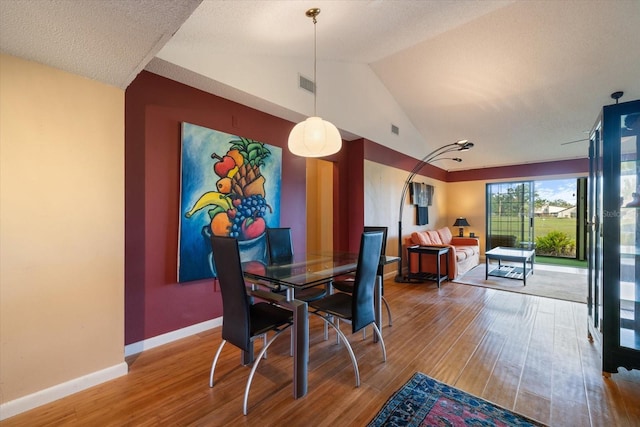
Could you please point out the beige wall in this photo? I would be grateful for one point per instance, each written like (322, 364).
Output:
(467, 199)
(61, 229)
(382, 188)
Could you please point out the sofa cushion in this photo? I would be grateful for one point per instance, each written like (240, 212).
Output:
(445, 235)
(434, 237)
(420, 238)
(464, 241)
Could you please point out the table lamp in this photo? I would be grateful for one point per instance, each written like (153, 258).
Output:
(461, 222)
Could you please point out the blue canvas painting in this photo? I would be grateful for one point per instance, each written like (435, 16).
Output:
(230, 186)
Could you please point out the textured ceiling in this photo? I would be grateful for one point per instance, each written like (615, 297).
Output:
(110, 41)
(518, 78)
(352, 31)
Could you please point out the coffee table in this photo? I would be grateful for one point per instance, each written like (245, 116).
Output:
(523, 257)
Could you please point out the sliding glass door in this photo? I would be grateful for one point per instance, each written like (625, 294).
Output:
(510, 210)
(594, 258)
(560, 218)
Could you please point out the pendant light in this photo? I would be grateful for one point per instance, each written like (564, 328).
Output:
(314, 137)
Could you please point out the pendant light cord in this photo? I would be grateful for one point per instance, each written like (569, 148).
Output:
(315, 66)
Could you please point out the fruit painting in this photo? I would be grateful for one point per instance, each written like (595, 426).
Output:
(230, 186)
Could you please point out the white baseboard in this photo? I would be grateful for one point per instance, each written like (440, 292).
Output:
(140, 346)
(59, 391)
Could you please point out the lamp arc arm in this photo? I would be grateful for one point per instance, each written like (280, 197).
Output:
(462, 145)
(422, 163)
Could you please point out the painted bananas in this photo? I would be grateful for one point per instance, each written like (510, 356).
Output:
(210, 198)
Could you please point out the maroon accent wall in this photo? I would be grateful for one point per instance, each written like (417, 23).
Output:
(575, 166)
(351, 215)
(154, 109)
(386, 156)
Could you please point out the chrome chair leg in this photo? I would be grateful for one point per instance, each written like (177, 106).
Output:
(384, 350)
(215, 361)
(347, 345)
(255, 366)
(384, 300)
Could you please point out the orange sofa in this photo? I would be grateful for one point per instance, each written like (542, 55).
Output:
(464, 252)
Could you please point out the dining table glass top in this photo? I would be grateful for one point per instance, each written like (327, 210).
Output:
(306, 269)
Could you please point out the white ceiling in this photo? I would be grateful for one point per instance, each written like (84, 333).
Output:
(518, 78)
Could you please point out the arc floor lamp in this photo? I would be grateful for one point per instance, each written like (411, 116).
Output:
(435, 155)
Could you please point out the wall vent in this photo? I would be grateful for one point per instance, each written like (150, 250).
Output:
(395, 129)
(307, 84)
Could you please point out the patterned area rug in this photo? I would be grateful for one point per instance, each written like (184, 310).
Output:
(546, 281)
(424, 401)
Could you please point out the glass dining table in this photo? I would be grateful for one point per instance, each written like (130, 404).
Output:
(304, 271)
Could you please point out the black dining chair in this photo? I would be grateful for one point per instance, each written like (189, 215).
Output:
(280, 251)
(357, 307)
(345, 283)
(242, 320)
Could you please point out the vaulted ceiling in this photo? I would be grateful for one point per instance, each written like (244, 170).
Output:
(521, 79)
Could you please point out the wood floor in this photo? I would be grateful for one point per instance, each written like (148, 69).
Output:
(525, 353)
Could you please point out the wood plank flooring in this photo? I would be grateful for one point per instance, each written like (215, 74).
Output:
(526, 353)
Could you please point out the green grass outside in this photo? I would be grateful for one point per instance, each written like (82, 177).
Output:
(542, 226)
(567, 262)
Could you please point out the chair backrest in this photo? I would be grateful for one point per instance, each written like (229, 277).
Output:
(235, 301)
(364, 285)
(279, 245)
(383, 251)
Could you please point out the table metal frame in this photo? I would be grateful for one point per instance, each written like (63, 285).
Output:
(436, 251)
(308, 270)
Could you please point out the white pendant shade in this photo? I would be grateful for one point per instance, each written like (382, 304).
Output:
(314, 138)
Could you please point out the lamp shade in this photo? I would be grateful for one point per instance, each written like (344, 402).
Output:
(314, 137)
(461, 222)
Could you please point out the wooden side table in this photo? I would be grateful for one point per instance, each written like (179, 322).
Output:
(432, 251)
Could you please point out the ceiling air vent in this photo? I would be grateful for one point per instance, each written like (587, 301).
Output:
(395, 129)
(307, 84)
